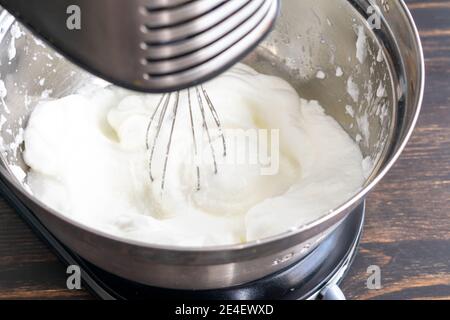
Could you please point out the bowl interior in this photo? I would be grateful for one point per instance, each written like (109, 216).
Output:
(325, 49)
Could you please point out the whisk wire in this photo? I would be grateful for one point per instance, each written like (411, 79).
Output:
(147, 134)
(216, 118)
(194, 139)
(204, 103)
(158, 131)
(205, 126)
(169, 144)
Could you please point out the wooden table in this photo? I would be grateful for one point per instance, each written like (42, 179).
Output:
(407, 230)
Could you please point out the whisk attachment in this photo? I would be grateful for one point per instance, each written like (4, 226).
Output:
(171, 101)
(154, 46)
(215, 116)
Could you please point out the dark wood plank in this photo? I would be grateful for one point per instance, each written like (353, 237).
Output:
(407, 230)
(28, 270)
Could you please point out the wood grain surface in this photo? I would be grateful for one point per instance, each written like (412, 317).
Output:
(407, 232)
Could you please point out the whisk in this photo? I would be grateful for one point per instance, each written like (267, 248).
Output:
(154, 46)
(165, 109)
(150, 45)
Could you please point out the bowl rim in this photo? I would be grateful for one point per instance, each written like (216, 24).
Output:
(327, 217)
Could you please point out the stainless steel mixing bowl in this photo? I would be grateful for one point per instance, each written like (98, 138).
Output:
(376, 98)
